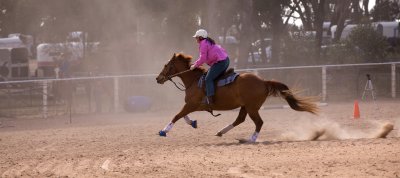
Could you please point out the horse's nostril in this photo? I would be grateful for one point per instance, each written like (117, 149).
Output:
(159, 79)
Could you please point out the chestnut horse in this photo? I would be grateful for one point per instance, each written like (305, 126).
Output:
(248, 92)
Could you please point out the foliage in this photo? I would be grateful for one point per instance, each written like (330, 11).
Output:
(367, 43)
(339, 53)
(363, 44)
(386, 10)
(153, 29)
(298, 49)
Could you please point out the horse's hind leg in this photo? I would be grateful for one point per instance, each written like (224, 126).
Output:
(255, 116)
(240, 118)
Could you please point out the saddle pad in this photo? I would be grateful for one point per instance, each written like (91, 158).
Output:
(221, 82)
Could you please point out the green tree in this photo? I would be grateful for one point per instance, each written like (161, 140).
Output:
(368, 44)
(386, 10)
(298, 49)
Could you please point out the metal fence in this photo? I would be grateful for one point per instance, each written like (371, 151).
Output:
(99, 94)
(335, 74)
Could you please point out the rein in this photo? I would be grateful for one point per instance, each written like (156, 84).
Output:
(181, 87)
(174, 75)
(176, 85)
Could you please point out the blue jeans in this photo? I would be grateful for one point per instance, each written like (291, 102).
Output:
(215, 71)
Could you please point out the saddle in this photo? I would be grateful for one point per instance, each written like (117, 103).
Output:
(224, 79)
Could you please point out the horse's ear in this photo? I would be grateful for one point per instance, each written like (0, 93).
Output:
(173, 56)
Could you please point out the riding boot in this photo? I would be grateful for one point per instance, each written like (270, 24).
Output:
(209, 103)
(210, 100)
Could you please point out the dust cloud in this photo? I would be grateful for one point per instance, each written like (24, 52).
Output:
(327, 129)
(139, 37)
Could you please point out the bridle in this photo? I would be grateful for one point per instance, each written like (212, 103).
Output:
(170, 67)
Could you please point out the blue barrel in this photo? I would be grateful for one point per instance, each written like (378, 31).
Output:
(138, 104)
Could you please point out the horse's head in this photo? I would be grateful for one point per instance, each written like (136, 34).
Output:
(176, 64)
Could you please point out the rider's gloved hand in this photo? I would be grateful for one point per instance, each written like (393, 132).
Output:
(192, 67)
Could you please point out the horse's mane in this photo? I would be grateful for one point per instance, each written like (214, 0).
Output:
(188, 60)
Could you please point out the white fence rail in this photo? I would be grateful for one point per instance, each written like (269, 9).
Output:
(325, 67)
(116, 80)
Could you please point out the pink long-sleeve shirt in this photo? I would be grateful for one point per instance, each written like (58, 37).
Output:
(210, 54)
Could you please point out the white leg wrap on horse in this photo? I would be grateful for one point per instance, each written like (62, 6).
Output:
(168, 127)
(253, 138)
(226, 129)
(187, 120)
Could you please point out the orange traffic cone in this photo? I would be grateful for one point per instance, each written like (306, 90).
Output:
(356, 110)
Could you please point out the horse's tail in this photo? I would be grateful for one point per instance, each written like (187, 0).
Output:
(295, 102)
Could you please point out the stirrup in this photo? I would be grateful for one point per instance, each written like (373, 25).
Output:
(212, 112)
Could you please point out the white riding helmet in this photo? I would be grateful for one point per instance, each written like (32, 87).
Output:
(201, 33)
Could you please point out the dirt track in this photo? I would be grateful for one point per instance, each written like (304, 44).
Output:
(126, 145)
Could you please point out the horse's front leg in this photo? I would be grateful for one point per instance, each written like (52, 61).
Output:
(189, 121)
(183, 113)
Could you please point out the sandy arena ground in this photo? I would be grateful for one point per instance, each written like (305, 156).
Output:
(126, 145)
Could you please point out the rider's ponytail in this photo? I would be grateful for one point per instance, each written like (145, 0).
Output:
(212, 42)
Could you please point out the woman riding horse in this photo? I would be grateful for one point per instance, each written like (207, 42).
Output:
(248, 92)
(215, 56)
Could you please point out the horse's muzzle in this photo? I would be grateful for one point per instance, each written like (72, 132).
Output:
(161, 79)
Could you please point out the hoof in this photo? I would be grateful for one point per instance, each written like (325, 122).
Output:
(219, 134)
(162, 133)
(194, 124)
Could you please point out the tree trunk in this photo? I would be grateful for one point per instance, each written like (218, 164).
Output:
(8, 19)
(261, 35)
(319, 21)
(366, 8)
(211, 22)
(277, 28)
(343, 10)
(356, 14)
(245, 33)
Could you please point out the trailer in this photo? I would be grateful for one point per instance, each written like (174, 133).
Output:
(16, 57)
